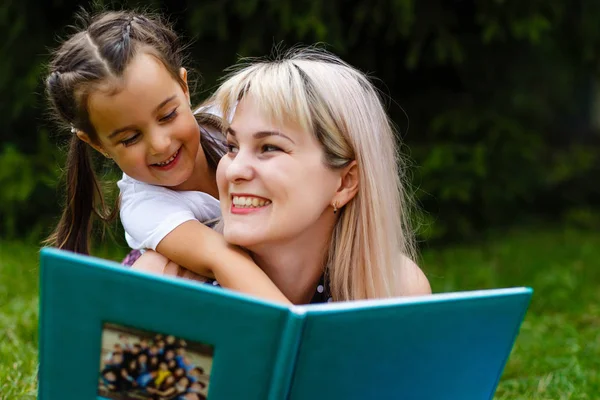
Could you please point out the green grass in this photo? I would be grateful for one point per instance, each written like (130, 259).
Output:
(556, 356)
(18, 320)
(557, 353)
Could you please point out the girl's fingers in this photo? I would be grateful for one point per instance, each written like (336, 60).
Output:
(156, 263)
(152, 262)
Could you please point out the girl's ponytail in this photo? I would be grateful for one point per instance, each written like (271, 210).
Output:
(74, 228)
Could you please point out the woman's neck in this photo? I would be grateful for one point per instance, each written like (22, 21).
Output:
(296, 266)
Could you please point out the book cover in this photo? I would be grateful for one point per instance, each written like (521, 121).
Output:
(108, 332)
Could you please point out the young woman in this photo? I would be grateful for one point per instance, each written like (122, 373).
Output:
(311, 184)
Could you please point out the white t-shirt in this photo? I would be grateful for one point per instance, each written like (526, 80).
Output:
(148, 212)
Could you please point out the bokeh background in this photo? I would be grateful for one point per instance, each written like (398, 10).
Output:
(498, 105)
(497, 101)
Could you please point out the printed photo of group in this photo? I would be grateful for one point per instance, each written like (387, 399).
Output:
(136, 364)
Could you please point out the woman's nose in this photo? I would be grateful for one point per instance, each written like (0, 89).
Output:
(240, 168)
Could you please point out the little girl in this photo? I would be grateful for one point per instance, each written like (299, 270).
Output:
(119, 86)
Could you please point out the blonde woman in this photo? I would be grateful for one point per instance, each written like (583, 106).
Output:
(310, 185)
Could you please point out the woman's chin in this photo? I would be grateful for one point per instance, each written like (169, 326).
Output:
(245, 238)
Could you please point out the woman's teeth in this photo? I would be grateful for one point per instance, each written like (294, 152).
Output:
(249, 202)
(169, 161)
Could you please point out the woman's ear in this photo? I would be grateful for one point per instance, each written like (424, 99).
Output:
(348, 184)
(186, 90)
(84, 136)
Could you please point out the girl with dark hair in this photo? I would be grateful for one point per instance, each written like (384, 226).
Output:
(119, 85)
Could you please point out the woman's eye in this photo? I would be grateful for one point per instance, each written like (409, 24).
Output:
(232, 148)
(169, 116)
(267, 148)
(130, 140)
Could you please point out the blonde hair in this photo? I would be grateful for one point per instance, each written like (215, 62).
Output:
(343, 109)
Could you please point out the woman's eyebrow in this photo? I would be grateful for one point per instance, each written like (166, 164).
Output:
(262, 134)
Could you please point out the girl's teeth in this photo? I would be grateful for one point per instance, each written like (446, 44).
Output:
(249, 202)
(162, 164)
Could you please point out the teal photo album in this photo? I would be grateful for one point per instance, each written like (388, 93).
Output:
(109, 332)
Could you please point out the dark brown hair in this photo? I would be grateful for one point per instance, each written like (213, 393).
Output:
(98, 52)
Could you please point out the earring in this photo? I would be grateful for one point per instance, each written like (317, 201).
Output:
(334, 207)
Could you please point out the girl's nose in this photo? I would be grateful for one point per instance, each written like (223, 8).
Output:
(160, 142)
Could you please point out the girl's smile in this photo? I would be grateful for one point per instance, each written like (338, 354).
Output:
(170, 163)
(145, 124)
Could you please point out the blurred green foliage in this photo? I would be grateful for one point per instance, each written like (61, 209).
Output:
(495, 99)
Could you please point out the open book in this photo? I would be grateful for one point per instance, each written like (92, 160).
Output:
(110, 332)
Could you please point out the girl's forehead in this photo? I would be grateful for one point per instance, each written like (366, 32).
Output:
(142, 75)
(134, 97)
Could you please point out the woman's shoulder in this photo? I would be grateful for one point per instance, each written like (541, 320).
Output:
(411, 279)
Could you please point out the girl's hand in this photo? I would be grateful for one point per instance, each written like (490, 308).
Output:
(155, 263)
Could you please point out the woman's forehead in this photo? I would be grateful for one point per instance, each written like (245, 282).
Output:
(281, 98)
(252, 113)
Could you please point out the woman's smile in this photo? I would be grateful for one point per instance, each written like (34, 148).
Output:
(246, 203)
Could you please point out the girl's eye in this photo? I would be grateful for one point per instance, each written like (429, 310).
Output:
(130, 140)
(268, 148)
(169, 116)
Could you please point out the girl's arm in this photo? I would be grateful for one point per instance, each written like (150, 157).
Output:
(205, 252)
